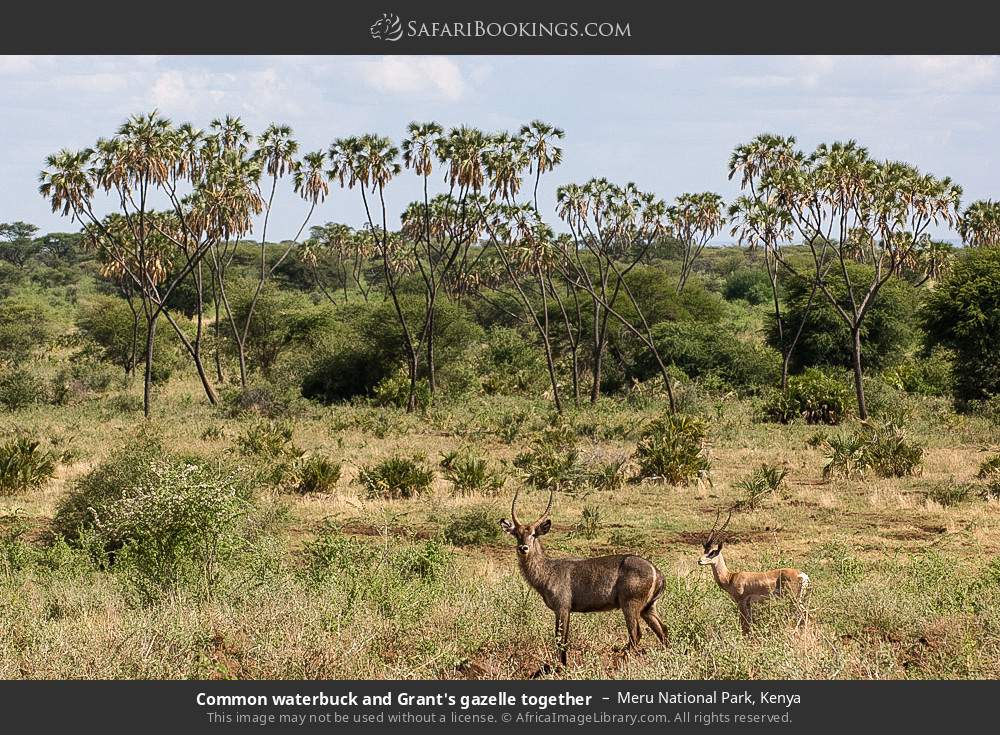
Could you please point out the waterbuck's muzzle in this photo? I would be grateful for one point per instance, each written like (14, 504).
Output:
(522, 548)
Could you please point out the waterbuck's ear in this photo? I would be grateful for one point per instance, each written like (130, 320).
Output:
(507, 526)
(543, 527)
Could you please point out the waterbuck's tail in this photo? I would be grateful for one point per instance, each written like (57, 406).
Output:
(656, 590)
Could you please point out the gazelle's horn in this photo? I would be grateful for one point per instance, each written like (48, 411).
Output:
(548, 508)
(715, 525)
(513, 507)
(726, 524)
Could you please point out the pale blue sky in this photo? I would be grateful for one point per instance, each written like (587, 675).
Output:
(667, 123)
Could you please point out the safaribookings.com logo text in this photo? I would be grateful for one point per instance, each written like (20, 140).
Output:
(390, 28)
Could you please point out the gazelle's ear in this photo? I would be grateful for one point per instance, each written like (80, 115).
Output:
(543, 527)
(507, 526)
(719, 549)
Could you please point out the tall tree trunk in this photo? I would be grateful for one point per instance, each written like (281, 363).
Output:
(147, 378)
(859, 386)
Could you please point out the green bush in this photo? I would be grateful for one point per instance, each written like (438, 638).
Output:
(82, 378)
(552, 461)
(881, 448)
(24, 466)
(470, 473)
(671, 449)
(924, 375)
(712, 352)
(814, 396)
(962, 313)
(163, 519)
(508, 364)
(367, 346)
(26, 326)
(949, 493)
(886, 333)
(990, 468)
(20, 388)
(318, 475)
(396, 477)
(394, 390)
(752, 285)
(117, 335)
(609, 476)
(476, 527)
(765, 480)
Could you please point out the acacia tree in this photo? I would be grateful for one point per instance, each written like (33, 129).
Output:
(694, 220)
(762, 223)
(17, 243)
(847, 206)
(612, 229)
(979, 225)
(150, 159)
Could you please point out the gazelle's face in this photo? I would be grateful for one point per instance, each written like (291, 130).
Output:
(526, 535)
(711, 556)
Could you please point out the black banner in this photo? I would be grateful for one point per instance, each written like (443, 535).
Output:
(492, 707)
(517, 27)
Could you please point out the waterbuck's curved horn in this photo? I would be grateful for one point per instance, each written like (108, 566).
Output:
(548, 508)
(513, 507)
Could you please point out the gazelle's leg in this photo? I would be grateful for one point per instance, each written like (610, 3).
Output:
(745, 616)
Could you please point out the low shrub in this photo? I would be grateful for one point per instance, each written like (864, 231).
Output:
(879, 448)
(476, 527)
(396, 477)
(925, 375)
(394, 390)
(949, 493)
(508, 364)
(162, 519)
(765, 480)
(814, 396)
(672, 450)
(590, 522)
(82, 378)
(470, 473)
(267, 438)
(552, 462)
(318, 475)
(24, 466)
(752, 285)
(609, 476)
(20, 388)
(990, 468)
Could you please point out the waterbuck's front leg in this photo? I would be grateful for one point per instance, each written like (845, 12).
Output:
(562, 635)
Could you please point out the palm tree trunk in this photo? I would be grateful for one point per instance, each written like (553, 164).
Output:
(147, 378)
(859, 386)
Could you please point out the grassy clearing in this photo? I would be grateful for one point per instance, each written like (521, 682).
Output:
(350, 585)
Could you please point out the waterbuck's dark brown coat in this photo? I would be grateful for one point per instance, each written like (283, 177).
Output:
(620, 581)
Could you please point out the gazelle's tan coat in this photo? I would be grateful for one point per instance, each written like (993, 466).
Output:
(747, 588)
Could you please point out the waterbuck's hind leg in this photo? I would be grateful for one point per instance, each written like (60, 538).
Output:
(632, 610)
(654, 623)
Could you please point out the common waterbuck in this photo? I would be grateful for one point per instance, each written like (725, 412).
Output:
(622, 581)
(748, 587)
